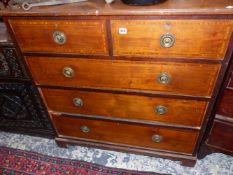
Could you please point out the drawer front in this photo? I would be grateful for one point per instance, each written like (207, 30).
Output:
(225, 106)
(179, 78)
(130, 134)
(67, 36)
(175, 111)
(172, 38)
(221, 136)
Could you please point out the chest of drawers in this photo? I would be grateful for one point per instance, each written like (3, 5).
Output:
(138, 83)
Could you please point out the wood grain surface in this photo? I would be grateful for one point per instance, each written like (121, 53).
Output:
(132, 107)
(98, 8)
(225, 106)
(82, 36)
(125, 133)
(186, 78)
(221, 136)
(193, 38)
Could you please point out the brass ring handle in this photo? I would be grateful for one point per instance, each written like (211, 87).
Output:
(85, 129)
(78, 102)
(167, 40)
(164, 78)
(157, 138)
(160, 109)
(59, 37)
(68, 72)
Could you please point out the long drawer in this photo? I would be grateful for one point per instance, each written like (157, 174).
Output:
(132, 107)
(172, 38)
(146, 136)
(167, 77)
(63, 36)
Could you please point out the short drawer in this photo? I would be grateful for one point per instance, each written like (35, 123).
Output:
(221, 135)
(169, 77)
(172, 38)
(132, 107)
(64, 36)
(156, 137)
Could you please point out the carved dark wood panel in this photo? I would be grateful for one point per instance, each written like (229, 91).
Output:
(4, 68)
(21, 110)
(9, 65)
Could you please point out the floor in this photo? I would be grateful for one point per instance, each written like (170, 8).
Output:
(214, 164)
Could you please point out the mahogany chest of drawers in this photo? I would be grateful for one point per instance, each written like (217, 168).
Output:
(140, 82)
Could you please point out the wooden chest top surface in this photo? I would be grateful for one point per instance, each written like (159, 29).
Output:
(99, 7)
